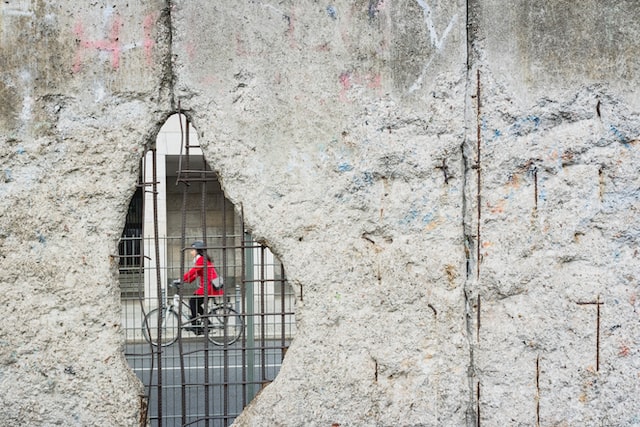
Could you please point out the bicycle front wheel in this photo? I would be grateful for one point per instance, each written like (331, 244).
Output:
(165, 332)
(225, 325)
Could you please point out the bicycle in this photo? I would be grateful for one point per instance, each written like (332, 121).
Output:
(223, 324)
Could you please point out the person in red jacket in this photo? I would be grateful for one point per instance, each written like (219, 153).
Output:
(198, 272)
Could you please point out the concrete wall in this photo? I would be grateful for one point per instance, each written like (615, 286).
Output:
(558, 128)
(452, 187)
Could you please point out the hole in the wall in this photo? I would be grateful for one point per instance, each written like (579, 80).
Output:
(178, 201)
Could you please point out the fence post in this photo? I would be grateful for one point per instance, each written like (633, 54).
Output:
(250, 331)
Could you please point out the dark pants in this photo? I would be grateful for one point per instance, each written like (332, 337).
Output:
(196, 305)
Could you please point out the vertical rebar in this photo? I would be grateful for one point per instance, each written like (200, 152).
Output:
(160, 294)
(142, 183)
(478, 173)
(538, 391)
(478, 404)
(597, 303)
(263, 317)
(282, 315)
(183, 231)
(225, 349)
(598, 335)
(478, 313)
(535, 189)
(205, 280)
(479, 210)
(246, 292)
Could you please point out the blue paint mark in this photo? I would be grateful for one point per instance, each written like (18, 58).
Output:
(362, 182)
(41, 238)
(372, 10)
(427, 218)
(520, 127)
(409, 217)
(8, 176)
(20, 150)
(623, 139)
(542, 192)
(332, 12)
(536, 120)
(367, 177)
(345, 167)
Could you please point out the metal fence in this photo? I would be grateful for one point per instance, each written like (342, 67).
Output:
(194, 380)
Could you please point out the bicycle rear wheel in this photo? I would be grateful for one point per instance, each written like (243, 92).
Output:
(225, 325)
(167, 334)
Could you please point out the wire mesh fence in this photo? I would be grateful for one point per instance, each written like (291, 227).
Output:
(204, 377)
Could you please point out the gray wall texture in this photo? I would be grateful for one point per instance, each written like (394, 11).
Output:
(452, 187)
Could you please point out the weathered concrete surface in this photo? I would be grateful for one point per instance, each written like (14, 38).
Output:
(445, 199)
(541, 51)
(558, 127)
(328, 125)
(81, 92)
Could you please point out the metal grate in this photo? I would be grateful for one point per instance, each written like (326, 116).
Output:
(194, 380)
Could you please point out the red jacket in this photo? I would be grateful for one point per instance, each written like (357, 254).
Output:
(198, 272)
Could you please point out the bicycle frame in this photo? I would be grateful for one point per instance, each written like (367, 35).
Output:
(212, 304)
(175, 307)
(222, 324)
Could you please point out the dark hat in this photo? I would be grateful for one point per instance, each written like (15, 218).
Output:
(198, 244)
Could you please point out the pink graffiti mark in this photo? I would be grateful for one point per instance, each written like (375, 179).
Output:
(345, 83)
(324, 47)
(191, 51)
(291, 28)
(349, 80)
(209, 80)
(148, 41)
(624, 350)
(374, 81)
(112, 44)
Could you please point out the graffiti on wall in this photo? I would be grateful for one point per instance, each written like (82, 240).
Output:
(111, 46)
(435, 40)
